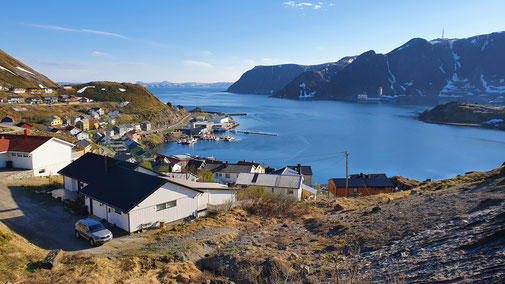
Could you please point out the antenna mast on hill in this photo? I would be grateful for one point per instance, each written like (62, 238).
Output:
(442, 33)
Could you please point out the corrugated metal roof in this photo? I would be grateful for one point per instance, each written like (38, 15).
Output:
(309, 189)
(269, 180)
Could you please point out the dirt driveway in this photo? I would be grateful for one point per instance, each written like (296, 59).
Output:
(43, 221)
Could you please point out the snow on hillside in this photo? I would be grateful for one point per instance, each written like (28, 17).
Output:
(80, 91)
(5, 69)
(24, 70)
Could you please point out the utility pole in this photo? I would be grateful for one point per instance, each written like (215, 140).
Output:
(346, 174)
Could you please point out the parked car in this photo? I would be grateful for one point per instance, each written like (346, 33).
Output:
(92, 230)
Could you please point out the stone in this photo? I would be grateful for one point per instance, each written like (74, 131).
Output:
(293, 256)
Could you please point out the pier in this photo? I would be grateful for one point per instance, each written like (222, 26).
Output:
(255, 132)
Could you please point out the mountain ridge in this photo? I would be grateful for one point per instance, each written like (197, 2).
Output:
(13, 73)
(467, 70)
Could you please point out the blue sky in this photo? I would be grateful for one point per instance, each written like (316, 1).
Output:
(218, 40)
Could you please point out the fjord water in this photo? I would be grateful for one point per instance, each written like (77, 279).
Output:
(379, 138)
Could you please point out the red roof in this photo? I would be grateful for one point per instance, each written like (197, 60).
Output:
(21, 143)
(24, 125)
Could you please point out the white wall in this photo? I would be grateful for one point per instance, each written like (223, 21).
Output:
(17, 162)
(217, 197)
(119, 219)
(224, 179)
(145, 212)
(203, 200)
(52, 156)
(70, 184)
(297, 192)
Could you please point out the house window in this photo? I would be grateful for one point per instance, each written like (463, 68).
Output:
(42, 171)
(14, 154)
(290, 191)
(166, 205)
(355, 190)
(118, 211)
(20, 155)
(25, 155)
(227, 175)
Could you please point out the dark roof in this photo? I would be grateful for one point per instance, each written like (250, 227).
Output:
(122, 188)
(123, 156)
(360, 180)
(306, 170)
(212, 167)
(91, 167)
(21, 143)
(231, 168)
(195, 164)
(83, 143)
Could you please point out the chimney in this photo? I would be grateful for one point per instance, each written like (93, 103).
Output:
(360, 175)
(299, 167)
(106, 162)
(27, 132)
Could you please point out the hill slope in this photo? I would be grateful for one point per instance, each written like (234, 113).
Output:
(466, 114)
(142, 103)
(13, 73)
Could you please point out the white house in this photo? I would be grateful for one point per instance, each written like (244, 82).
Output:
(132, 197)
(228, 173)
(211, 193)
(290, 185)
(220, 119)
(44, 155)
(82, 136)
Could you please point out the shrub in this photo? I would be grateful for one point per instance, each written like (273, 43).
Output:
(269, 204)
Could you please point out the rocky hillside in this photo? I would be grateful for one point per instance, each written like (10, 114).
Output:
(14, 73)
(442, 231)
(466, 114)
(267, 80)
(467, 70)
(142, 103)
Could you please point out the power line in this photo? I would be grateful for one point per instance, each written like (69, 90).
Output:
(333, 154)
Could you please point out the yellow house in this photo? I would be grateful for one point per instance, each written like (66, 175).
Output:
(83, 145)
(82, 124)
(55, 121)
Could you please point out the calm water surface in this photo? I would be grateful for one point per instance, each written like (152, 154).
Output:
(379, 138)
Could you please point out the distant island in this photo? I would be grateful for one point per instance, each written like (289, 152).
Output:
(430, 72)
(166, 84)
(460, 114)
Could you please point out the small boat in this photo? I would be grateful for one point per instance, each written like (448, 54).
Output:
(187, 141)
(220, 129)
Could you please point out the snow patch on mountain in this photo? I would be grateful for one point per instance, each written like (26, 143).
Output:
(24, 70)
(80, 91)
(392, 80)
(5, 69)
